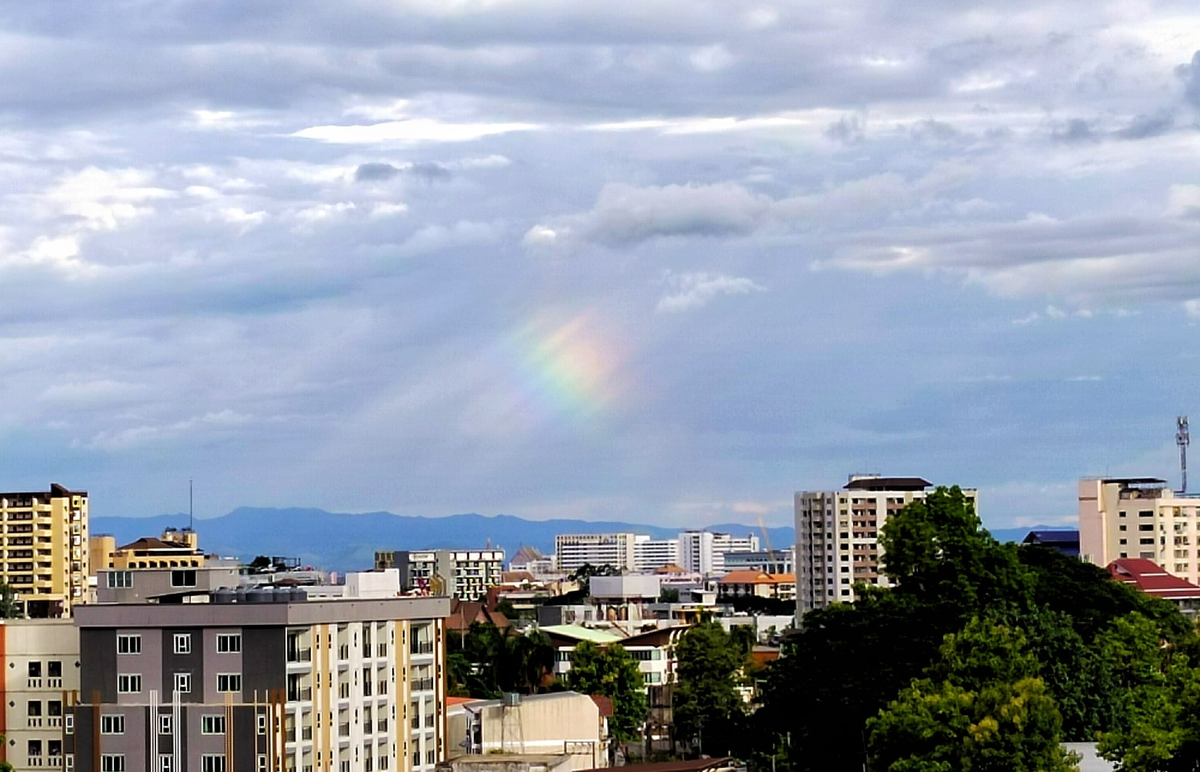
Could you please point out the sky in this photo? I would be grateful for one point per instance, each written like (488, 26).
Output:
(666, 262)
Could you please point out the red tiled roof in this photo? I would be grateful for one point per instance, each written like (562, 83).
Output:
(751, 576)
(1152, 579)
(603, 703)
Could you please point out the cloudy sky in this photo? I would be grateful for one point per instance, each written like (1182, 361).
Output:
(662, 261)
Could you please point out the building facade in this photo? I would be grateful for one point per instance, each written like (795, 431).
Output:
(649, 554)
(704, 552)
(40, 660)
(1139, 518)
(466, 574)
(46, 549)
(573, 550)
(349, 685)
(837, 535)
(561, 722)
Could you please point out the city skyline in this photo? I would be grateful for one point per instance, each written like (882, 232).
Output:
(604, 261)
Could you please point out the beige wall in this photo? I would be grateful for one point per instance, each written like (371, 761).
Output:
(42, 641)
(564, 722)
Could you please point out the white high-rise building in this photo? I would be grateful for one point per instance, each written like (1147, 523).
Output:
(573, 550)
(649, 554)
(837, 535)
(1139, 518)
(703, 552)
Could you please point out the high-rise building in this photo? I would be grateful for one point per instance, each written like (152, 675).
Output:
(573, 550)
(269, 682)
(466, 574)
(837, 534)
(649, 554)
(46, 550)
(1139, 517)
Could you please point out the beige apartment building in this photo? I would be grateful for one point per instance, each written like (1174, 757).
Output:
(45, 549)
(40, 660)
(1138, 517)
(837, 535)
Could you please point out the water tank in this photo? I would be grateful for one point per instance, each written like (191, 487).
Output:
(224, 595)
(298, 595)
(240, 596)
(512, 699)
(282, 595)
(258, 595)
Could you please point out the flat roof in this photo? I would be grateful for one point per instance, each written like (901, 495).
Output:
(300, 613)
(581, 633)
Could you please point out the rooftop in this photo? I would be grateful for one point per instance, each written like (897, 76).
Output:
(1152, 579)
(888, 484)
(757, 577)
(581, 633)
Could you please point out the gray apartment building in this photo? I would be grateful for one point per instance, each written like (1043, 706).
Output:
(257, 682)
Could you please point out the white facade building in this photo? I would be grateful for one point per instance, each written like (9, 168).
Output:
(573, 550)
(837, 536)
(703, 552)
(649, 554)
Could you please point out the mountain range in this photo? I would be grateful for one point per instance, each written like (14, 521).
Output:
(341, 542)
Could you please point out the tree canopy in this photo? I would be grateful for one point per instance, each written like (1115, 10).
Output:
(613, 673)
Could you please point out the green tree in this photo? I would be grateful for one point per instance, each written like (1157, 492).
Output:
(668, 595)
(525, 662)
(507, 608)
(9, 607)
(980, 708)
(612, 673)
(707, 705)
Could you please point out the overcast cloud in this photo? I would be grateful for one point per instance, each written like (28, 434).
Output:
(662, 261)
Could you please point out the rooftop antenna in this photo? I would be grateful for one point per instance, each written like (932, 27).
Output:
(1182, 439)
(191, 510)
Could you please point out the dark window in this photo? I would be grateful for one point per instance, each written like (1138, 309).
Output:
(35, 669)
(183, 578)
(54, 669)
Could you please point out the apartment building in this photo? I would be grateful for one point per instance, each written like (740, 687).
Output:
(463, 574)
(837, 535)
(40, 661)
(45, 555)
(345, 685)
(1139, 517)
(649, 554)
(176, 547)
(573, 550)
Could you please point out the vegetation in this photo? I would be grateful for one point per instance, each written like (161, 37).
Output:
(487, 662)
(982, 656)
(709, 709)
(611, 672)
(10, 608)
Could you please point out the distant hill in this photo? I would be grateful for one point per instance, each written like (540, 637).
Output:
(343, 542)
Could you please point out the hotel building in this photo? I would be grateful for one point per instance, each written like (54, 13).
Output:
(45, 550)
(837, 535)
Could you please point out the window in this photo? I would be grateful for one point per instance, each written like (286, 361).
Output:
(262, 723)
(184, 579)
(229, 643)
(120, 580)
(1121, 527)
(212, 725)
(210, 762)
(35, 749)
(183, 683)
(35, 669)
(33, 708)
(129, 644)
(112, 762)
(54, 748)
(54, 708)
(164, 763)
(54, 669)
(69, 723)
(164, 723)
(129, 684)
(1146, 541)
(1145, 526)
(183, 643)
(112, 724)
(262, 762)
(229, 682)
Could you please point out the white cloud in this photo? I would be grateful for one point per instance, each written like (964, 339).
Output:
(694, 290)
(540, 236)
(711, 58)
(386, 209)
(413, 130)
(1183, 201)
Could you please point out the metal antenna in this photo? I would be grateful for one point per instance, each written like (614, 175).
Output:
(191, 509)
(1182, 439)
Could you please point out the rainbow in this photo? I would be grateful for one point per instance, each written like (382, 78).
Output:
(566, 369)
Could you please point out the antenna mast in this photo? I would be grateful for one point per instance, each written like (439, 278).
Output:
(191, 509)
(1182, 439)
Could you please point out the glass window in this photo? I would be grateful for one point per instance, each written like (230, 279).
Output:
(212, 725)
(112, 724)
(129, 644)
(112, 762)
(211, 762)
(229, 643)
(183, 578)
(229, 682)
(183, 643)
(35, 669)
(164, 723)
(129, 684)
(183, 683)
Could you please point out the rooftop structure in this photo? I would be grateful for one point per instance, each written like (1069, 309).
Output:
(1151, 579)
(1064, 541)
(1139, 517)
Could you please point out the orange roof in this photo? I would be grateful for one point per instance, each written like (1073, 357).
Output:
(460, 700)
(757, 577)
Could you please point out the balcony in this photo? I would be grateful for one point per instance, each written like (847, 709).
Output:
(422, 685)
(298, 655)
(421, 647)
(300, 695)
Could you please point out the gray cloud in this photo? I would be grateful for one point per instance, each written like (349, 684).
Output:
(1145, 126)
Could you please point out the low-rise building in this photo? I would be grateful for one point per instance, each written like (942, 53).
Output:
(758, 584)
(653, 649)
(268, 682)
(565, 723)
(1061, 540)
(1152, 579)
